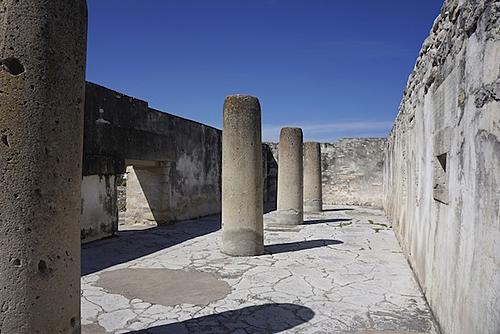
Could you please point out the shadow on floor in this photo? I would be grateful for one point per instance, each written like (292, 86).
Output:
(267, 318)
(323, 221)
(299, 245)
(130, 245)
(335, 210)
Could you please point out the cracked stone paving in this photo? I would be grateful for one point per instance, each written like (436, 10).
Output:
(341, 272)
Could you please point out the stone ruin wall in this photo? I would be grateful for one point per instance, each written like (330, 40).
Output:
(351, 169)
(173, 167)
(442, 168)
(175, 162)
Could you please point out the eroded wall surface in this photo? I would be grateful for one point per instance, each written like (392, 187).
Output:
(442, 168)
(195, 175)
(352, 171)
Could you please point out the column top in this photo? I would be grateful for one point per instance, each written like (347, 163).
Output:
(291, 131)
(241, 102)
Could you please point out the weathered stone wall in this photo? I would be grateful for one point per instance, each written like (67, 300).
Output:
(351, 170)
(99, 210)
(442, 168)
(122, 131)
(195, 174)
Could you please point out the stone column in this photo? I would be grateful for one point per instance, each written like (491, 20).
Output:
(290, 177)
(313, 197)
(42, 93)
(242, 207)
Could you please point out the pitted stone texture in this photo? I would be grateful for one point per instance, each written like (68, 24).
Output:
(42, 78)
(340, 272)
(313, 196)
(242, 192)
(290, 177)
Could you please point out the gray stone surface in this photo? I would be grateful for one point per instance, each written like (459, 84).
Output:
(148, 193)
(42, 78)
(352, 171)
(442, 168)
(242, 186)
(99, 210)
(290, 177)
(341, 272)
(313, 195)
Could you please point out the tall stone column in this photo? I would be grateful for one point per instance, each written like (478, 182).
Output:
(242, 207)
(290, 177)
(313, 197)
(42, 84)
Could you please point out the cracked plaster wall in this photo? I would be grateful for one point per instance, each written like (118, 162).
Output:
(442, 168)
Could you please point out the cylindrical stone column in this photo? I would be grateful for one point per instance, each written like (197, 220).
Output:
(290, 177)
(242, 194)
(313, 198)
(42, 92)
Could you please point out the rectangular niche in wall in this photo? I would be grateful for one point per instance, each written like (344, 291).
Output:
(440, 181)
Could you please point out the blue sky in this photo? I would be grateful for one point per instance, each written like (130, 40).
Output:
(336, 68)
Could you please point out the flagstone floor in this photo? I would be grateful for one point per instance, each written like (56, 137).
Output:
(341, 272)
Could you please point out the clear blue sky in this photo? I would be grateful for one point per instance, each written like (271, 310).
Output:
(337, 68)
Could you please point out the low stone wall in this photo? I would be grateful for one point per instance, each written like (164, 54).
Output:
(442, 168)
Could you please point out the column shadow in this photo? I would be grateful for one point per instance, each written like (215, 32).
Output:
(130, 245)
(324, 221)
(267, 318)
(336, 210)
(299, 245)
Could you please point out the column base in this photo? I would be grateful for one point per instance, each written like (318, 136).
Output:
(242, 243)
(313, 206)
(290, 217)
